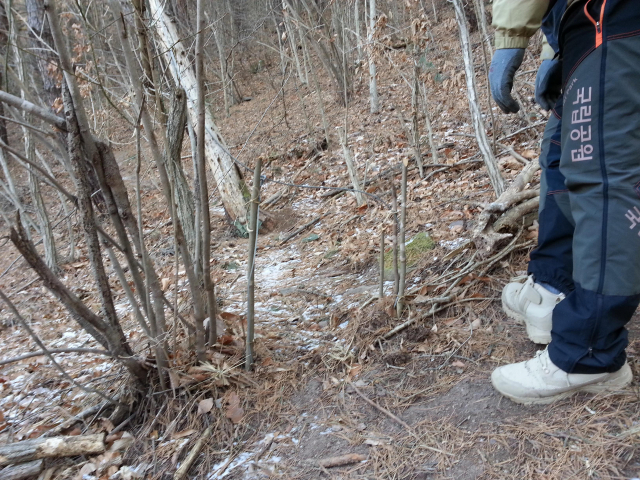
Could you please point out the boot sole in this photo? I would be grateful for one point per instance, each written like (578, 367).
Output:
(610, 385)
(536, 335)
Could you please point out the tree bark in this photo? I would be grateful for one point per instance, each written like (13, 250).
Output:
(37, 448)
(176, 123)
(353, 174)
(36, 110)
(19, 472)
(45, 59)
(373, 82)
(497, 182)
(201, 126)
(221, 163)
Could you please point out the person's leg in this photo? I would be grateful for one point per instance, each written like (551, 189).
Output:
(601, 163)
(552, 261)
(550, 270)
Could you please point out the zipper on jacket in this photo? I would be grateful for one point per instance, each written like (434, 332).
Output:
(597, 23)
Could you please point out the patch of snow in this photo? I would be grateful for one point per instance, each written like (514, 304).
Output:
(453, 244)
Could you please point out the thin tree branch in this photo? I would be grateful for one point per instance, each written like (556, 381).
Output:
(53, 351)
(46, 352)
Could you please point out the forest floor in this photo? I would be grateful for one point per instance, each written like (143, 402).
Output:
(418, 405)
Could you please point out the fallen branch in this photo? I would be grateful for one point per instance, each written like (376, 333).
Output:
(379, 408)
(26, 470)
(302, 228)
(517, 132)
(77, 418)
(37, 448)
(514, 154)
(341, 460)
(485, 234)
(193, 454)
(513, 218)
(451, 300)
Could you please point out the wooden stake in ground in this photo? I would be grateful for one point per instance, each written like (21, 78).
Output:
(381, 292)
(401, 241)
(497, 182)
(394, 263)
(253, 238)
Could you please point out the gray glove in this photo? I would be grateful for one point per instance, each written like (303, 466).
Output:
(548, 83)
(504, 64)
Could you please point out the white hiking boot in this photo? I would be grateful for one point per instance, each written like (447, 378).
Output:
(539, 381)
(531, 304)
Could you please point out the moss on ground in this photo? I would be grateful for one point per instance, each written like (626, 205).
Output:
(414, 251)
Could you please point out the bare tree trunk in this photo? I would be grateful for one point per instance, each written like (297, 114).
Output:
(113, 331)
(45, 230)
(43, 56)
(401, 241)
(427, 121)
(353, 174)
(176, 123)
(4, 49)
(253, 239)
(292, 42)
(481, 135)
(220, 161)
(415, 126)
(373, 83)
(143, 46)
(204, 193)
(228, 97)
(356, 14)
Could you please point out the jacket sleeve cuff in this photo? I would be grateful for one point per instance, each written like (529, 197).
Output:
(511, 42)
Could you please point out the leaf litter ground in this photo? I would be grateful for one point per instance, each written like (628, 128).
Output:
(416, 406)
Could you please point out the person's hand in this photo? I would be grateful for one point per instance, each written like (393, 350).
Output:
(504, 64)
(548, 83)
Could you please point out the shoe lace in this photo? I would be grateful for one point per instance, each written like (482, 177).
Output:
(543, 358)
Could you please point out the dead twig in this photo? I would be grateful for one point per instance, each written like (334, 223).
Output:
(193, 454)
(379, 408)
(301, 229)
(341, 460)
(55, 350)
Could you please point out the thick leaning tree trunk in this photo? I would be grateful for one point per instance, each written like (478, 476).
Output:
(227, 178)
(497, 182)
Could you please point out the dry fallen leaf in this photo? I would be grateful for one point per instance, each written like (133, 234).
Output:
(458, 364)
(87, 469)
(107, 425)
(184, 433)
(205, 406)
(234, 411)
(354, 371)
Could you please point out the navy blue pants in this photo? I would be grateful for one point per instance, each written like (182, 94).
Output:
(589, 238)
